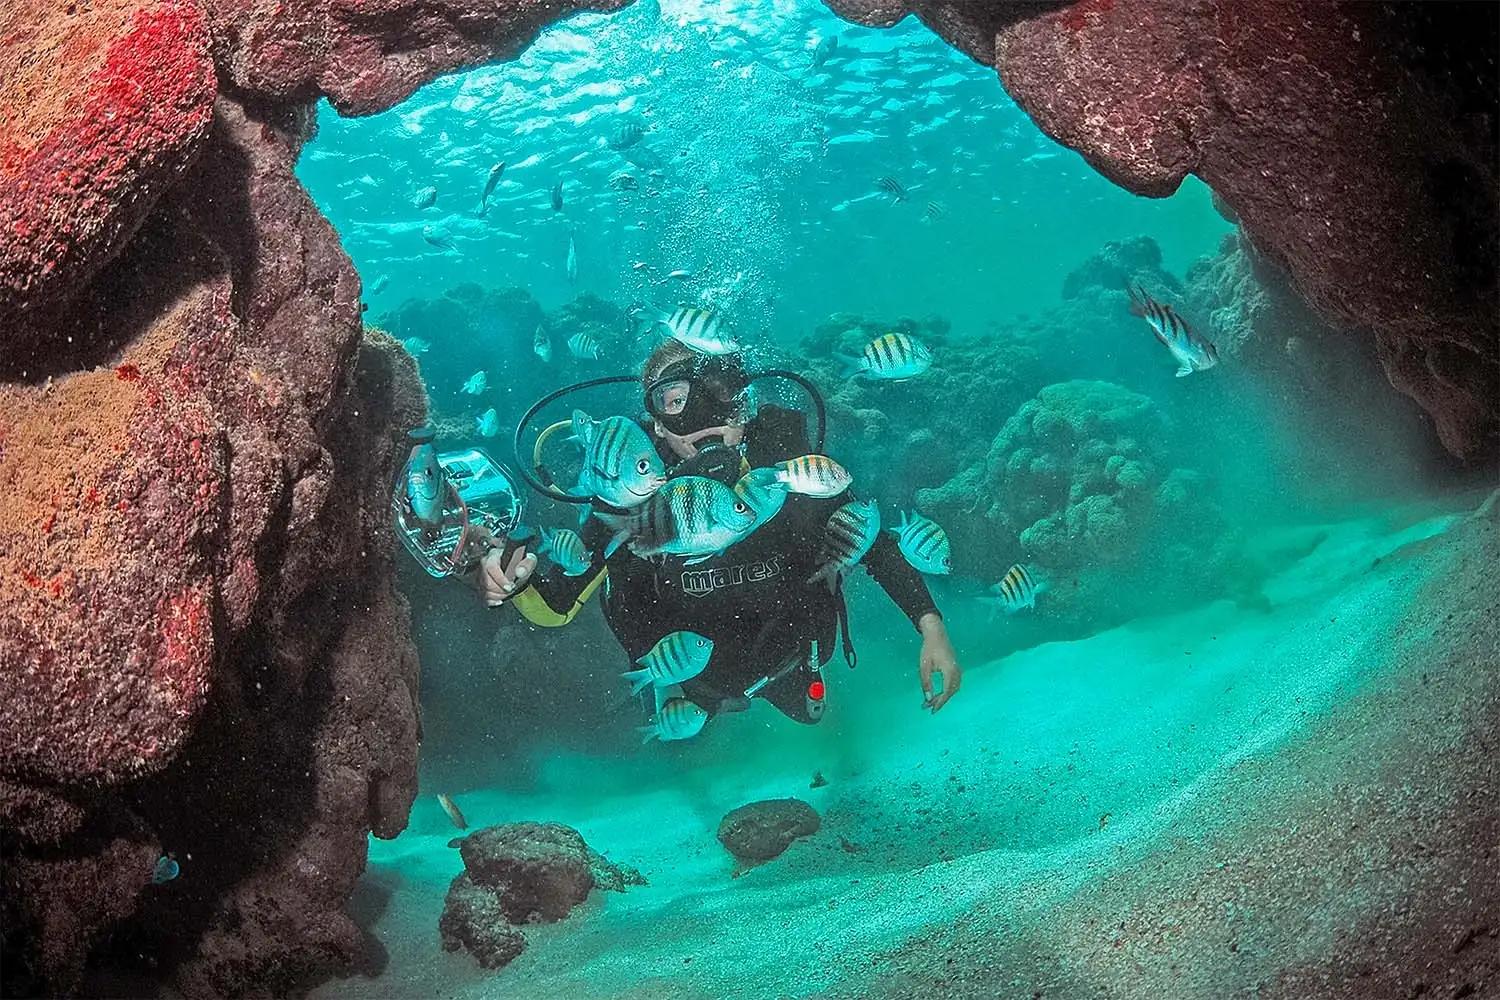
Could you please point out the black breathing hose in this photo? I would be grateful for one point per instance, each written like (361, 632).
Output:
(819, 409)
(523, 467)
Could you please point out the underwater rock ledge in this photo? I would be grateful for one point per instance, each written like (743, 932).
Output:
(1352, 156)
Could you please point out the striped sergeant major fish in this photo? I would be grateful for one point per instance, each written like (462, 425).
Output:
(891, 356)
(924, 543)
(763, 493)
(1192, 352)
(1017, 589)
(690, 516)
(813, 476)
(582, 345)
(620, 464)
(892, 187)
(675, 658)
(678, 719)
(701, 329)
(565, 549)
(850, 532)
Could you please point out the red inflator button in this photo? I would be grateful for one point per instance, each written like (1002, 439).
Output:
(815, 690)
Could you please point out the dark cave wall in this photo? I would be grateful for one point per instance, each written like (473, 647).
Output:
(204, 651)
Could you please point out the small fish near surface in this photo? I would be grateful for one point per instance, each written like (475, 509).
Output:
(437, 236)
(675, 658)
(691, 516)
(584, 346)
(425, 198)
(850, 532)
(893, 357)
(572, 261)
(165, 870)
(824, 50)
(416, 346)
(681, 274)
(496, 172)
(701, 329)
(1192, 352)
(625, 135)
(620, 464)
(924, 543)
(380, 284)
(1017, 589)
(933, 212)
(565, 548)
(455, 816)
(892, 187)
(557, 196)
(813, 476)
(679, 719)
(476, 384)
(541, 344)
(488, 423)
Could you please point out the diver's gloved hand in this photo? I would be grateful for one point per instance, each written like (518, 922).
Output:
(502, 573)
(937, 658)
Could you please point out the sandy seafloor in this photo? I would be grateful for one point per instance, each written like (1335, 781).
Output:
(1171, 808)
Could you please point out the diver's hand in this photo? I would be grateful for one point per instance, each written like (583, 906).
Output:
(498, 578)
(937, 658)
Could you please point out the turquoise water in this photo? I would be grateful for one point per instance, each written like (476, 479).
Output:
(1207, 541)
(755, 172)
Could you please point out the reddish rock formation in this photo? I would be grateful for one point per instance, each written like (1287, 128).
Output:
(106, 106)
(1355, 141)
(367, 56)
(204, 651)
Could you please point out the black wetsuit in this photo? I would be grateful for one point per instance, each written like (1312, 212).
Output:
(753, 600)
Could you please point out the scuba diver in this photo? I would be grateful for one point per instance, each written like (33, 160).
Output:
(772, 626)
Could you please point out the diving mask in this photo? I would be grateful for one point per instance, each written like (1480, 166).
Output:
(696, 393)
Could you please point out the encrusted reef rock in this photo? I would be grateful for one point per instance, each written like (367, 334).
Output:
(1355, 143)
(760, 831)
(521, 873)
(197, 442)
(366, 58)
(896, 437)
(106, 105)
(473, 920)
(1080, 484)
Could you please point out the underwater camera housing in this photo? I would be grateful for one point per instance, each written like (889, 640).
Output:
(447, 506)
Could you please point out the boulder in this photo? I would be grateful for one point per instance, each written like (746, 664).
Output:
(474, 920)
(760, 831)
(516, 874)
(542, 870)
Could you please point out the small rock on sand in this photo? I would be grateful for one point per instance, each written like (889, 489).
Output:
(521, 873)
(760, 831)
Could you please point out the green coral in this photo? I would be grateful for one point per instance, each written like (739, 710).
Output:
(1083, 482)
